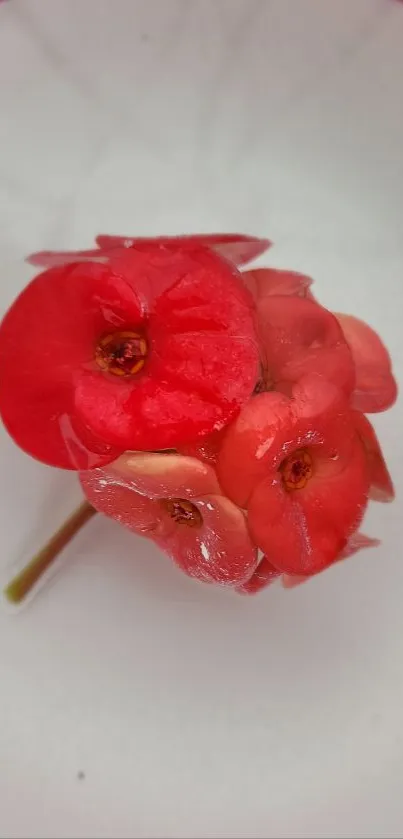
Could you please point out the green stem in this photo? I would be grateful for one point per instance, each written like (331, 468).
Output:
(23, 583)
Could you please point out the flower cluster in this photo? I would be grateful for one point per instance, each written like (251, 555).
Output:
(219, 413)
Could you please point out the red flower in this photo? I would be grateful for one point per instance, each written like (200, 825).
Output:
(302, 337)
(297, 335)
(153, 349)
(375, 387)
(298, 467)
(177, 502)
(235, 247)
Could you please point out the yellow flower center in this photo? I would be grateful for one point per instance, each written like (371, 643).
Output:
(122, 353)
(296, 470)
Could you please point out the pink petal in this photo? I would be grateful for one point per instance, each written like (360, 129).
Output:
(119, 501)
(220, 551)
(265, 282)
(165, 475)
(381, 488)
(358, 542)
(264, 576)
(242, 251)
(298, 336)
(234, 247)
(375, 387)
(293, 580)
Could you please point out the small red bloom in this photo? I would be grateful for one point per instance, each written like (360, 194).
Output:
(177, 502)
(153, 349)
(299, 469)
(375, 387)
(234, 247)
(298, 336)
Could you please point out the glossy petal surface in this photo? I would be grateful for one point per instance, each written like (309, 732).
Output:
(164, 475)
(304, 530)
(299, 337)
(48, 334)
(219, 550)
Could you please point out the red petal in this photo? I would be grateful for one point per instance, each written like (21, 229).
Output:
(220, 551)
(235, 247)
(299, 337)
(293, 580)
(356, 542)
(49, 333)
(305, 531)
(375, 387)
(221, 368)
(164, 475)
(266, 282)
(148, 417)
(265, 431)
(206, 449)
(203, 358)
(265, 419)
(264, 576)
(119, 501)
(381, 488)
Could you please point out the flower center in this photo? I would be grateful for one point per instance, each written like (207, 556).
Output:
(122, 353)
(183, 511)
(296, 470)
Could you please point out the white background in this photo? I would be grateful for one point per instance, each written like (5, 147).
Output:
(191, 711)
